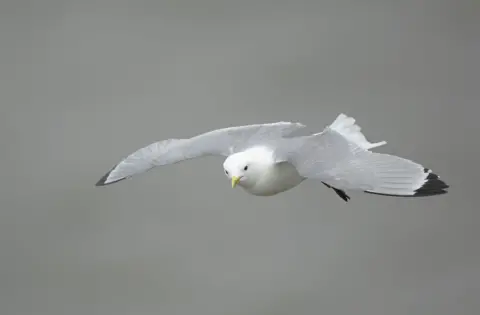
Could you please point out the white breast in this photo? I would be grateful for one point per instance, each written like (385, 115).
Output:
(276, 179)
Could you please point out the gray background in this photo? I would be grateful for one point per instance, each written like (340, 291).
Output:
(83, 83)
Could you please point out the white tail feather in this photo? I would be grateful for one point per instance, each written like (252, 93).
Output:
(346, 126)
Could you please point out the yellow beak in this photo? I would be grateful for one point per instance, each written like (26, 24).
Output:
(235, 181)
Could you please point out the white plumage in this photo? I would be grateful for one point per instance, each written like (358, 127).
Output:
(346, 126)
(266, 160)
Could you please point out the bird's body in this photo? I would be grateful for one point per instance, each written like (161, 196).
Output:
(270, 177)
(265, 160)
(278, 178)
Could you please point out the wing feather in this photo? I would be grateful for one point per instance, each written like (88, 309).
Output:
(343, 160)
(221, 142)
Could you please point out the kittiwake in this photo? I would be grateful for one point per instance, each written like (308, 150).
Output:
(267, 159)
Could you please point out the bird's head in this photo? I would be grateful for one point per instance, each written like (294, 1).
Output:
(247, 167)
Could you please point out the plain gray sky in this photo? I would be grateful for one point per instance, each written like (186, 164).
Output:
(84, 83)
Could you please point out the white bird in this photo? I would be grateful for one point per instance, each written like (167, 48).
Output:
(266, 159)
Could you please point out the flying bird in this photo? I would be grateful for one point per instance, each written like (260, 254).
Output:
(267, 159)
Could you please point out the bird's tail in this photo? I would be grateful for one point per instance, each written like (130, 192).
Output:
(346, 126)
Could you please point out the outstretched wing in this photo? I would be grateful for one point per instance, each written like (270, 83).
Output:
(340, 157)
(220, 142)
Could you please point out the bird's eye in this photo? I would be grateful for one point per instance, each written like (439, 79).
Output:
(245, 168)
(226, 172)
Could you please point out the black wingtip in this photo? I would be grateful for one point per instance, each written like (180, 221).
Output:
(432, 186)
(102, 181)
